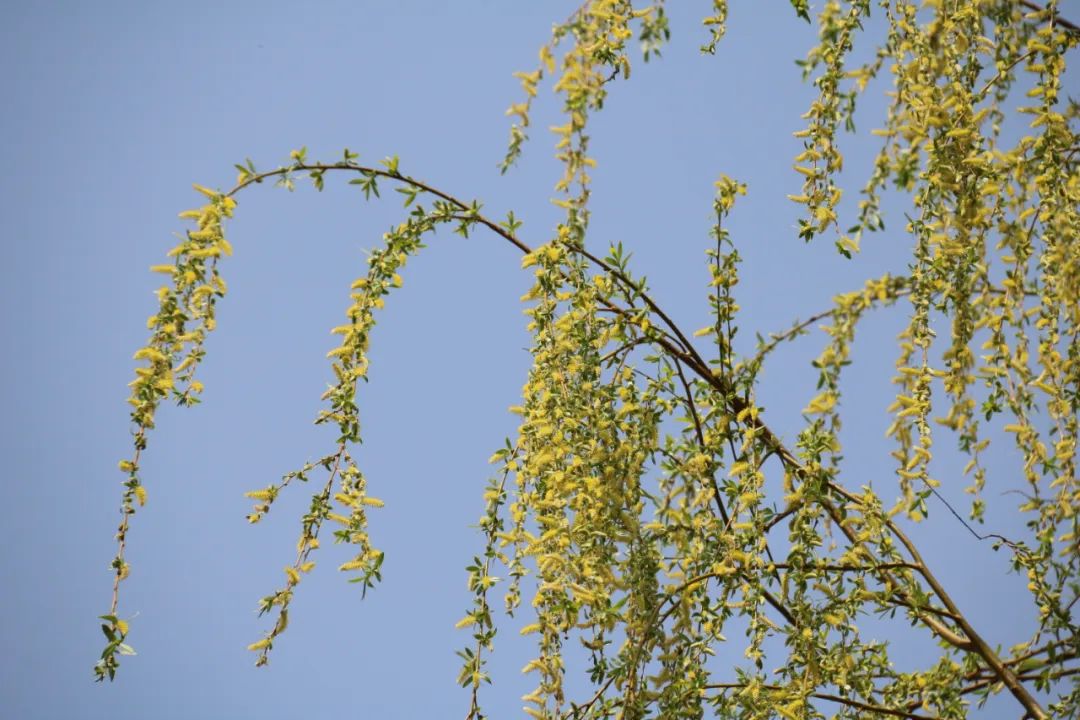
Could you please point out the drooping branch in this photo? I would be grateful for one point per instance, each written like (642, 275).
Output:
(684, 352)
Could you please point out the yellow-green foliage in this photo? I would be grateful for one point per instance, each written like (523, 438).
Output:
(635, 492)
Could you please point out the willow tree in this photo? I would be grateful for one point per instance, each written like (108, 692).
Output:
(646, 506)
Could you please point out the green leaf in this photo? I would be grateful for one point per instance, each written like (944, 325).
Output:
(391, 164)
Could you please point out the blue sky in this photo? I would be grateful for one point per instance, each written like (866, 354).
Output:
(114, 109)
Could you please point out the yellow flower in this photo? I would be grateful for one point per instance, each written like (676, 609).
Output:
(255, 646)
(149, 353)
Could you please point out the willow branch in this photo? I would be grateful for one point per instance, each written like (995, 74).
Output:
(699, 433)
(850, 702)
(973, 642)
(1055, 17)
(376, 172)
(680, 347)
(789, 334)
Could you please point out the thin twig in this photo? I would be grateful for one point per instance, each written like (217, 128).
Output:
(851, 702)
(1055, 17)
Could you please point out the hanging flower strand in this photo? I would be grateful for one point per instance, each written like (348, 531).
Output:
(186, 314)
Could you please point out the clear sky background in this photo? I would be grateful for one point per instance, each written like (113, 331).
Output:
(114, 109)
